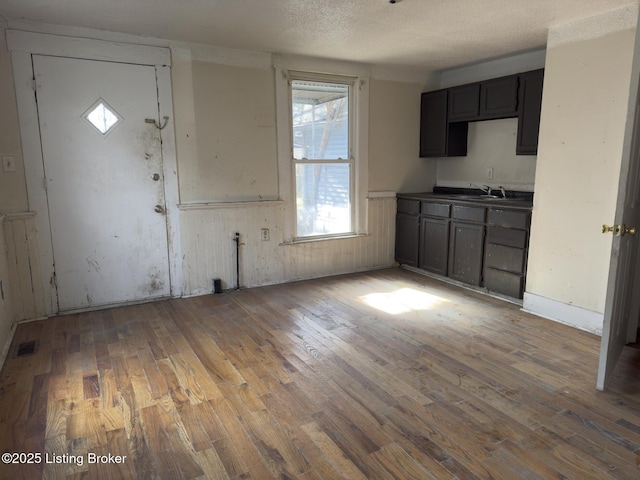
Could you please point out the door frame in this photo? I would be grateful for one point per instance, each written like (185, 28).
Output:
(22, 46)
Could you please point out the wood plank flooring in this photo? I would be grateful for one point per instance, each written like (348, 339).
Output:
(379, 375)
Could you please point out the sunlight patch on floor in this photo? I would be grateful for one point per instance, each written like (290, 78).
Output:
(403, 300)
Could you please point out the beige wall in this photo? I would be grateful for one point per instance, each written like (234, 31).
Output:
(394, 133)
(234, 110)
(490, 145)
(13, 190)
(584, 114)
(234, 154)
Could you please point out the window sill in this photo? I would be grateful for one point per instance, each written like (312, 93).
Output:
(298, 241)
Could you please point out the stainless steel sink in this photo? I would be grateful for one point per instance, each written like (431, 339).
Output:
(478, 197)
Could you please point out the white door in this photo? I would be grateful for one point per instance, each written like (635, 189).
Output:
(621, 311)
(103, 174)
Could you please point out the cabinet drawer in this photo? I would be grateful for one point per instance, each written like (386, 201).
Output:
(504, 258)
(407, 205)
(504, 282)
(507, 236)
(509, 218)
(436, 209)
(470, 214)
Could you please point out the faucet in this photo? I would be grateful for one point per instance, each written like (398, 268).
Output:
(485, 188)
(502, 190)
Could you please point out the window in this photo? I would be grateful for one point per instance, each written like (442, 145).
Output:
(324, 164)
(102, 117)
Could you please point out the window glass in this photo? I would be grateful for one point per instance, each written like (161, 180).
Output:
(320, 118)
(323, 198)
(321, 155)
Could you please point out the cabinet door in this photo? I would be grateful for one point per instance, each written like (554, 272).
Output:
(530, 102)
(499, 98)
(407, 236)
(464, 103)
(433, 124)
(434, 244)
(466, 247)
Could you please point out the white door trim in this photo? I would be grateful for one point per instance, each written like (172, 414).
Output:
(24, 44)
(87, 48)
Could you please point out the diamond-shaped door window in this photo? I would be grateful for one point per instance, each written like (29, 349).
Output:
(102, 117)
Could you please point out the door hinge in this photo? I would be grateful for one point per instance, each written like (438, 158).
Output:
(45, 183)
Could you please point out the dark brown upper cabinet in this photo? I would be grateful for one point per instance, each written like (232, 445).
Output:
(530, 102)
(499, 98)
(438, 138)
(464, 103)
(433, 124)
(445, 114)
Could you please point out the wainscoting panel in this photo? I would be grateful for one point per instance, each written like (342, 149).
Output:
(23, 262)
(209, 252)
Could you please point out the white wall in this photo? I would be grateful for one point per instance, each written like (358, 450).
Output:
(584, 116)
(210, 252)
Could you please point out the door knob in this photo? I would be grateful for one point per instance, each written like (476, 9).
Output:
(159, 209)
(619, 230)
(155, 177)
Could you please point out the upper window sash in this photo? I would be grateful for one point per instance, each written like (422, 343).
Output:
(322, 109)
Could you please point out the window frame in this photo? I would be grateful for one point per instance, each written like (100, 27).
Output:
(343, 80)
(285, 69)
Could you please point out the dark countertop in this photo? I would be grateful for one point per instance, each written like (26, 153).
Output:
(515, 200)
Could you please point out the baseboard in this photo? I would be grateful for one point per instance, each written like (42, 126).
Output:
(564, 313)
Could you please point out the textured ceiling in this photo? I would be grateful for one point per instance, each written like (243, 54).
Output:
(421, 34)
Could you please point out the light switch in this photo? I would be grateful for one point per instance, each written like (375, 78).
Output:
(490, 172)
(8, 163)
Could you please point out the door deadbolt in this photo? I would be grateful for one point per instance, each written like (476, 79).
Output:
(159, 209)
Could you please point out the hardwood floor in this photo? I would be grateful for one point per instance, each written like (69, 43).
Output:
(380, 375)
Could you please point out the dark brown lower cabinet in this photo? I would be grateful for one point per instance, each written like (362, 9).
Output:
(434, 244)
(407, 238)
(477, 245)
(466, 246)
(505, 257)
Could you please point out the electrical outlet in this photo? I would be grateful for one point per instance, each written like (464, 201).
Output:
(264, 234)
(8, 163)
(490, 172)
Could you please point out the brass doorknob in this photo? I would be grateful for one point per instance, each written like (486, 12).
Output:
(619, 230)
